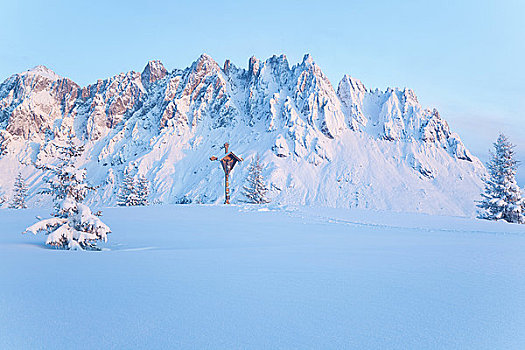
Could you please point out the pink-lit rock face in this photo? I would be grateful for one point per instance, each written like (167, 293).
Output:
(153, 71)
(33, 100)
(107, 103)
(269, 92)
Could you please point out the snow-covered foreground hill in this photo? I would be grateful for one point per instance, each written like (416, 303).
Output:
(216, 277)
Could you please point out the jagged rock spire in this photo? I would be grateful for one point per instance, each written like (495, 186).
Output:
(253, 65)
(153, 71)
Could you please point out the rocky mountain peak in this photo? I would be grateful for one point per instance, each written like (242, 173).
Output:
(278, 63)
(308, 60)
(43, 71)
(227, 65)
(153, 71)
(205, 65)
(205, 59)
(253, 65)
(351, 83)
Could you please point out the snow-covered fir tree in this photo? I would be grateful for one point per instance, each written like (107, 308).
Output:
(127, 195)
(133, 193)
(72, 225)
(19, 193)
(502, 198)
(142, 190)
(3, 199)
(255, 190)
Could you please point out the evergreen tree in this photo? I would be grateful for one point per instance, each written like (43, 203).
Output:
(72, 225)
(133, 193)
(142, 190)
(20, 193)
(128, 192)
(3, 198)
(255, 190)
(502, 199)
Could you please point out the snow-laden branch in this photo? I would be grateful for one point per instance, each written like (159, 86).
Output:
(45, 225)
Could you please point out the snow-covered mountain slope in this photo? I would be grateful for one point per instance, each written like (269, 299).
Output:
(353, 147)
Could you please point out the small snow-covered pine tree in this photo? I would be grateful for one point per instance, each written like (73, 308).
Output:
(3, 199)
(143, 190)
(255, 190)
(19, 194)
(133, 193)
(73, 225)
(128, 192)
(502, 199)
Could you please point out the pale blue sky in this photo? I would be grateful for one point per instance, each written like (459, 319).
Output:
(465, 58)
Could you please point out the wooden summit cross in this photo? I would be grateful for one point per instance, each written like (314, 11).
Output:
(227, 162)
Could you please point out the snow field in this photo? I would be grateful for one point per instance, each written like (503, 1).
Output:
(251, 277)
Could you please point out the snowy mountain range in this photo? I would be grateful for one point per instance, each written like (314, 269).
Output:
(345, 147)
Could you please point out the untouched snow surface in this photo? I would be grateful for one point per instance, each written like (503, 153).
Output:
(246, 277)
